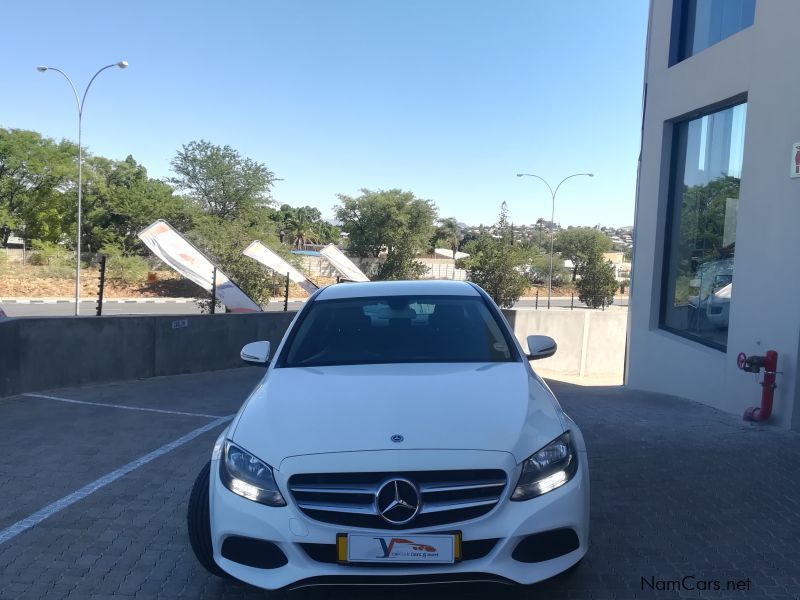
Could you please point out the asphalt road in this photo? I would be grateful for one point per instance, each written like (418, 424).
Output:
(111, 307)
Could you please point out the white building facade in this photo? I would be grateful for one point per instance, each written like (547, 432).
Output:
(716, 269)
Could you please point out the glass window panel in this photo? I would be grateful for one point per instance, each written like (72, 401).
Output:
(706, 22)
(399, 329)
(700, 250)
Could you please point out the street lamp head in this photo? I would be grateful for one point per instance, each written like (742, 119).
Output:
(590, 174)
(123, 64)
(41, 68)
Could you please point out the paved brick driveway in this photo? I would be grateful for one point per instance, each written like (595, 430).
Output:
(678, 490)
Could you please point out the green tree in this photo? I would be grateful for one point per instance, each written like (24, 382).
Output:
(701, 235)
(223, 240)
(597, 284)
(540, 236)
(393, 220)
(128, 270)
(496, 265)
(385, 219)
(627, 255)
(36, 177)
(537, 267)
(449, 235)
(580, 244)
(303, 225)
(120, 200)
(232, 193)
(401, 264)
(222, 182)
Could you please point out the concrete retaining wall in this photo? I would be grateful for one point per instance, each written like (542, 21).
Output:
(591, 343)
(53, 352)
(46, 353)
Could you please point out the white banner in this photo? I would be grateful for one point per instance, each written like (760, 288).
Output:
(177, 252)
(259, 252)
(346, 267)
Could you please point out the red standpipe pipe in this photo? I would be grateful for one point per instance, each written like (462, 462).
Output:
(762, 413)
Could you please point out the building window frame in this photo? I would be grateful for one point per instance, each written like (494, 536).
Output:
(672, 172)
(678, 32)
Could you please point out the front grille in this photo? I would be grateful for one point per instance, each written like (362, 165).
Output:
(446, 496)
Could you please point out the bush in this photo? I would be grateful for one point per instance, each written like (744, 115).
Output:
(55, 260)
(47, 254)
(223, 241)
(127, 270)
(597, 284)
(497, 267)
(401, 264)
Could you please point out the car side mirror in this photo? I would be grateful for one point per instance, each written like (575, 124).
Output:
(541, 346)
(256, 353)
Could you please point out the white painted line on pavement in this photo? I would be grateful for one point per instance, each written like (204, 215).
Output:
(59, 505)
(142, 408)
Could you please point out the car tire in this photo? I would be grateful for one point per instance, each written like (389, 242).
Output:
(198, 521)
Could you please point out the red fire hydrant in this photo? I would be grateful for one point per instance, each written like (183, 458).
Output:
(754, 364)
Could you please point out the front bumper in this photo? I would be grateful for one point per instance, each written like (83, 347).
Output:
(294, 533)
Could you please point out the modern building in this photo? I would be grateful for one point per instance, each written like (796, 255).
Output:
(716, 269)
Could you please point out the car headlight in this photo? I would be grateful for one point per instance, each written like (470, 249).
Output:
(245, 475)
(548, 469)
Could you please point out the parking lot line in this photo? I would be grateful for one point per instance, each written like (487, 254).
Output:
(155, 410)
(40, 515)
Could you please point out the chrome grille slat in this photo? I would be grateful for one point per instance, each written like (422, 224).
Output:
(430, 507)
(335, 489)
(430, 488)
(361, 509)
(446, 496)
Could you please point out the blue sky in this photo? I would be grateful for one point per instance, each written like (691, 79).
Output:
(448, 99)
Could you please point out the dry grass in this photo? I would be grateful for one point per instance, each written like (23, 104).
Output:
(32, 282)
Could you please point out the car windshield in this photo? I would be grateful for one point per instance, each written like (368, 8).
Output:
(398, 329)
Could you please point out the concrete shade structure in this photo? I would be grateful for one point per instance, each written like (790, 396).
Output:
(756, 65)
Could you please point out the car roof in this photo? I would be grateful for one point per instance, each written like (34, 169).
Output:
(424, 287)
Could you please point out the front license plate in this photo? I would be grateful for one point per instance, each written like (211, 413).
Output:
(411, 548)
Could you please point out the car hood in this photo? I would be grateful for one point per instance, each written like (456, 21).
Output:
(474, 406)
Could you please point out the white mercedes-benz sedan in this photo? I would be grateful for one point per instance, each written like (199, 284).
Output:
(399, 435)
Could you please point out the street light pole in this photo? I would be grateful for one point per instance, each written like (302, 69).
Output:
(553, 221)
(79, 103)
